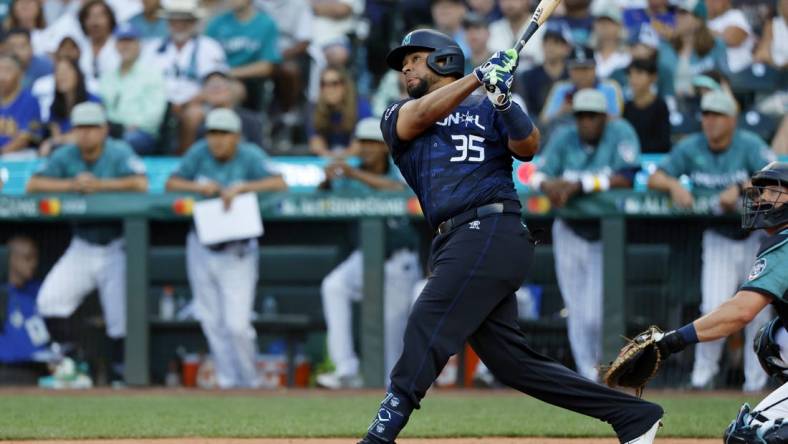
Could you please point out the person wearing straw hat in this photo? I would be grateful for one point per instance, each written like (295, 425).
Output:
(95, 258)
(223, 276)
(721, 159)
(185, 58)
(588, 156)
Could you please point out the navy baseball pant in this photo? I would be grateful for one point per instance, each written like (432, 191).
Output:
(476, 269)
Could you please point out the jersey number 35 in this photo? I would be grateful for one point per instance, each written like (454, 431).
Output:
(468, 143)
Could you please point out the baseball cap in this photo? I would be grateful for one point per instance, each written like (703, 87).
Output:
(581, 56)
(88, 114)
(704, 81)
(223, 119)
(127, 31)
(589, 100)
(474, 20)
(369, 129)
(694, 7)
(181, 10)
(557, 30)
(718, 102)
(609, 11)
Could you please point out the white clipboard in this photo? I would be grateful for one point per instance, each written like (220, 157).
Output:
(241, 221)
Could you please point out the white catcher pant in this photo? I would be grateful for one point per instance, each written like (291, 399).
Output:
(83, 268)
(578, 266)
(344, 285)
(223, 286)
(725, 266)
(775, 405)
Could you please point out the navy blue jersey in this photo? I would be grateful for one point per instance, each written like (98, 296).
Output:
(459, 163)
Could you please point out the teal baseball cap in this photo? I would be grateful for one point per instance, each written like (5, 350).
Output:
(223, 119)
(88, 114)
(718, 102)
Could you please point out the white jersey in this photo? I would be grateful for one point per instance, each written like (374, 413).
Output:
(739, 57)
(779, 39)
(294, 20)
(185, 68)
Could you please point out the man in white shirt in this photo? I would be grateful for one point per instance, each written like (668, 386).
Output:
(505, 32)
(732, 27)
(185, 58)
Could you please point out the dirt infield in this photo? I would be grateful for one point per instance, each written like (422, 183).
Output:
(491, 440)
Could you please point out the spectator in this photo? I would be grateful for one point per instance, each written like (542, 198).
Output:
(609, 52)
(535, 84)
(694, 48)
(23, 333)
(488, 9)
(720, 159)
(774, 31)
(20, 116)
(731, 26)
(69, 92)
(579, 19)
(477, 35)
(647, 112)
(99, 53)
(343, 285)
(447, 15)
(133, 95)
(657, 15)
(149, 22)
(95, 257)
(223, 277)
(593, 154)
(505, 32)
(44, 88)
(249, 39)
(391, 89)
(337, 110)
(220, 91)
(185, 58)
(582, 74)
(334, 21)
(54, 9)
(646, 45)
(17, 42)
(28, 15)
(294, 20)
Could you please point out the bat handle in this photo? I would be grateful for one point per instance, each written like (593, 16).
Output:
(532, 27)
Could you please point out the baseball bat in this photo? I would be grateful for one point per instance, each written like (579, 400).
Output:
(543, 11)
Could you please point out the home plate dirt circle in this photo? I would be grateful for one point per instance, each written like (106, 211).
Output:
(491, 440)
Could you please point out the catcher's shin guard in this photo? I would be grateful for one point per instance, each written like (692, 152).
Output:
(743, 431)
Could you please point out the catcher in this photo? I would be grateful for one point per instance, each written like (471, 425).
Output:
(765, 207)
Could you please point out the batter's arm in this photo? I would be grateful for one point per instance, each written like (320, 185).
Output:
(417, 115)
(730, 317)
(527, 147)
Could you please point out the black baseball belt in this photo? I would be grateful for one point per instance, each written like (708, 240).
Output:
(508, 206)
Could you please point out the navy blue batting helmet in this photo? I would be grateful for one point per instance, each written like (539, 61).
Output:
(443, 49)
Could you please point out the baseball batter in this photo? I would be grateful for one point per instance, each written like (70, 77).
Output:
(766, 207)
(721, 158)
(586, 156)
(223, 277)
(455, 151)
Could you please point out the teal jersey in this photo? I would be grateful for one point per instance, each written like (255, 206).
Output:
(246, 42)
(709, 170)
(568, 157)
(248, 164)
(769, 273)
(117, 160)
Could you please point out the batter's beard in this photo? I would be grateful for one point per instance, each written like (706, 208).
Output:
(419, 90)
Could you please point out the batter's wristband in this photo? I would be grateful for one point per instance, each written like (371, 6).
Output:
(517, 122)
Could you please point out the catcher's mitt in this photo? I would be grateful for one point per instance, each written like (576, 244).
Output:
(637, 362)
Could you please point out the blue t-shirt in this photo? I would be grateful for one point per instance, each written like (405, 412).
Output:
(150, 30)
(39, 66)
(634, 18)
(459, 163)
(246, 42)
(16, 344)
(580, 28)
(22, 115)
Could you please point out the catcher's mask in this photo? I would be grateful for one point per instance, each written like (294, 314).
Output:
(762, 213)
(768, 350)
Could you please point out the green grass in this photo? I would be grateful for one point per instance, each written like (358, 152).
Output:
(142, 415)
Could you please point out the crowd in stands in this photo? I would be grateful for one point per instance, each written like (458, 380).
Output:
(207, 80)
